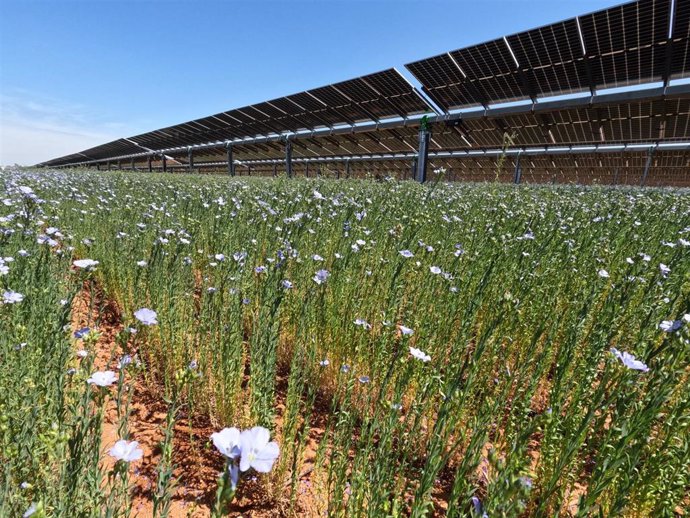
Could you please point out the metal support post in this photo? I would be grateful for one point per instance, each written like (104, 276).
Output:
(648, 165)
(518, 170)
(119, 165)
(306, 171)
(423, 156)
(413, 172)
(231, 161)
(132, 165)
(275, 170)
(190, 160)
(165, 163)
(347, 168)
(288, 157)
(148, 163)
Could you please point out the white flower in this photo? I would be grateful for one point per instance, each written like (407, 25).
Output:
(12, 297)
(665, 270)
(362, 323)
(146, 316)
(420, 355)
(324, 363)
(406, 254)
(227, 441)
(629, 360)
(102, 378)
(604, 274)
(257, 451)
(670, 325)
(32, 508)
(406, 331)
(126, 451)
(435, 270)
(86, 264)
(141, 264)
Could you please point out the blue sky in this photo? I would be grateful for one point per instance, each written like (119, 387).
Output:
(74, 74)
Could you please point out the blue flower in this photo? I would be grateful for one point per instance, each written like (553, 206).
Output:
(81, 333)
(321, 276)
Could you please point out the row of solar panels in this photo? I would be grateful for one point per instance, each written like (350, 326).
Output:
(668, 167)
(637, 42)
(665, 120)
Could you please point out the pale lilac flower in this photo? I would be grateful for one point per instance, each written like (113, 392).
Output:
(126, 451)
(227, 441)
(32, 508)
(478, 508)
(321, 276)
(124, 361)
(287, 284)
(406, 254)
(146, 316)
(665, 270)
(364, 379)
(670, 325)
(362, 323)
(406, 331)
(256, 450)
(219, 257)
(12, 297)
(345, 368)
(260, 269)
(629, 360)
(435, 270)
(604, 274)
(419, 354)
(324, 363)
(102, 378)
(317, 257)
(85, 264)
(82, 353)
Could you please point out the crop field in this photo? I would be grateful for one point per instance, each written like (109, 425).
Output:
(204, 346)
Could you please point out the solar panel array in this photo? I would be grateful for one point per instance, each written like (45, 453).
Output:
(638, 42)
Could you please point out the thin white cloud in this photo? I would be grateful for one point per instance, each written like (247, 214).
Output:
(35, 128)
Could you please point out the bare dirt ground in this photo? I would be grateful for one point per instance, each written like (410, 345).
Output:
(197, 463)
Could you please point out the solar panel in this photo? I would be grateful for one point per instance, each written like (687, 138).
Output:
(626, 44)
(620, 46)
(680, 54)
